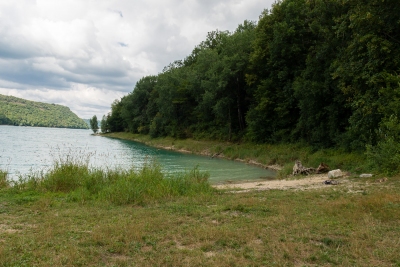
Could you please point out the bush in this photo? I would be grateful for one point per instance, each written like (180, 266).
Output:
(385, 156)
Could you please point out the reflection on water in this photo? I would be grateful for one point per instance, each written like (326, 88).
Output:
(26, 149)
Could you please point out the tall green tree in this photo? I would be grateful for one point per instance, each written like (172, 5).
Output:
(225, 98)
(280, 51)
(368, 58)
(104, 125)
(94, 125)
(135, 109)
(114, 120)
(175, 101)
(322, 105)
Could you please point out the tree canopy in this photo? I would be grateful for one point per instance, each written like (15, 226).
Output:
(324, 72)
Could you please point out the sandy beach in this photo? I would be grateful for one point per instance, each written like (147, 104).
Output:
(302, 183)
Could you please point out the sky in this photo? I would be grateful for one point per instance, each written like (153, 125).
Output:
(84, 54)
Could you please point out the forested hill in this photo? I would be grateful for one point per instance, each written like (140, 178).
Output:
(17, 111)
(323, 72)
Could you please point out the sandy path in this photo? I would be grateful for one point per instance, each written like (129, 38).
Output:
(303, 183)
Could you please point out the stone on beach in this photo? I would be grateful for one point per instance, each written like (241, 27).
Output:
(366, 175)
(335, 174)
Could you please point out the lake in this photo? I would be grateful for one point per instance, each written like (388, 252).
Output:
(24, 150)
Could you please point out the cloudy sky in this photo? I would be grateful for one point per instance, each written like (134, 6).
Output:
(84, 54)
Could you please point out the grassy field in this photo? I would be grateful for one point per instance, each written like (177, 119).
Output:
(334, 226)
(76, 216)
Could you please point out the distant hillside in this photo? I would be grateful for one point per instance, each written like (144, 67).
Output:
(21, 112)
(87, 121)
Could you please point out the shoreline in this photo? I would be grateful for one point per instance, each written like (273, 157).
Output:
(205, 152)
(286, 181)
(312, 181)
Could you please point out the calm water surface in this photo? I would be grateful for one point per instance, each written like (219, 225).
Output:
(30, 149)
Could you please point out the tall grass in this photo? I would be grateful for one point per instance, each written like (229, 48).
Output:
(74, 177)
(4, 183)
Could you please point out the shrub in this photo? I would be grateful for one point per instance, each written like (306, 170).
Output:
(385, 156)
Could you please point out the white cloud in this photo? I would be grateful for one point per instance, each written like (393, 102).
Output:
(85, 54)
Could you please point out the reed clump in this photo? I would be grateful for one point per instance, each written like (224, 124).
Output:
(4, 183)
(74, 177)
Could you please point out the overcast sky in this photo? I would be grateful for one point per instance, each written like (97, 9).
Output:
(84, 54)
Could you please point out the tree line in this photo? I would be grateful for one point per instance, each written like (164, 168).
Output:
(324, 72)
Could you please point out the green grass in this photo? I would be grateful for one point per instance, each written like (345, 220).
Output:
(333, 226)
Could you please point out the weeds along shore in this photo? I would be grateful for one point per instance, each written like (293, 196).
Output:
(79, 182)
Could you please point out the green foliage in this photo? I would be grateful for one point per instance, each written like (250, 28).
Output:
(136, 110)
(115, 121)
(94, 124)
(21, 112)
(385, 156)
(320, 72)
(370, 54)
(104, 125)
(280, 49)
(323, 115)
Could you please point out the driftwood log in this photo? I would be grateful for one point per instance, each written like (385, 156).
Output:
(298, 168)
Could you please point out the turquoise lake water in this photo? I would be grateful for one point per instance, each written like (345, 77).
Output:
(24, 150)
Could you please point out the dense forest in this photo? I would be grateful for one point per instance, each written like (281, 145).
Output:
(323, 72)
(21, 112)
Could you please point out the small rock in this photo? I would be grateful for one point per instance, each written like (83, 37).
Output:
(366, 175)
(332, 182)
(335, 174)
